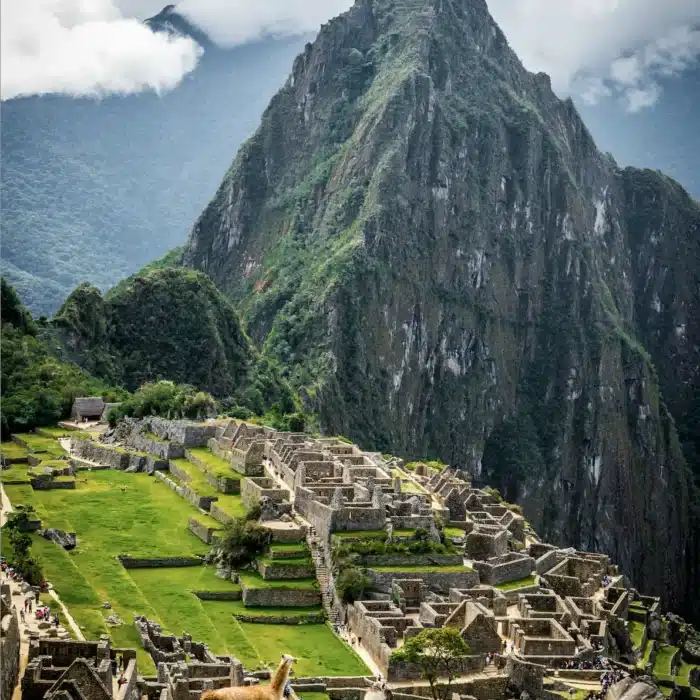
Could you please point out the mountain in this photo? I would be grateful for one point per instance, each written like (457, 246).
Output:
(168, 323)
(93, 190)
(35, 388)
(431, 244)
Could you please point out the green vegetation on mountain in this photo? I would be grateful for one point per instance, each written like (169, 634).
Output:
(94, 189)
(169, 323)
(429, 242)
(37, 389)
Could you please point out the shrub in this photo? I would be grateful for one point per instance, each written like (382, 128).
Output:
(352, 583)
(165, 398)
(243, 540)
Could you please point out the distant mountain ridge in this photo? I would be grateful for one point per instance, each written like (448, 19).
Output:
(171, 21)
(93, 190)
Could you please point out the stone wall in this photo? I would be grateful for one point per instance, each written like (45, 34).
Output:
(249, 462)
(208, 535)
(113, 457)
(437, 580)
(221, 482)
(183, 432)
(101, 454)
(130, 689)
(254, 488)
(9, 653)
(156, 447)
(157, 562)
(307, 619)
(280, 597)
(370, 560)
(509, 567)
(218, 514)
(279, 569)
(233, 594)
(187, 492)
(547, 561)
(525, 676)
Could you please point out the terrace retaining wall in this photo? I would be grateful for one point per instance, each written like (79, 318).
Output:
(280, 597)
(157, 562)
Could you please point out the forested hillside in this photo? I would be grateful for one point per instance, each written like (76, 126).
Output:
(93, 190)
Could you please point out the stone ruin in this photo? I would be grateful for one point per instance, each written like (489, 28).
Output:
(185, 668)
(63, 669)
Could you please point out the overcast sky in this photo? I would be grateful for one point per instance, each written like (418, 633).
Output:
(597, 49)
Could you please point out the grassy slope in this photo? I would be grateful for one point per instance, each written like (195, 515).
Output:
(148, 519)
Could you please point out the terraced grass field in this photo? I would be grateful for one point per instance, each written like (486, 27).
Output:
(114, 513)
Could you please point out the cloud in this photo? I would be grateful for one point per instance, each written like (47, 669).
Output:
(597, 49)
(230, 22)
(85, 48)
(600, 49)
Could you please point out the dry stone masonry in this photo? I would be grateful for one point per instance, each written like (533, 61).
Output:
(533, 608)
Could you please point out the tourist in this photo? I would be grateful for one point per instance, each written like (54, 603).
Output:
(21, 615)
(287, 689)
(121, 681)
(55, 620)
(359, 641)
(113, 663)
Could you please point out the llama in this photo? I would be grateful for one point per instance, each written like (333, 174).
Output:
(272, 691)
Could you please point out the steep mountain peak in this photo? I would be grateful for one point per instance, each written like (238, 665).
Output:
(169, 20)
(431, 243)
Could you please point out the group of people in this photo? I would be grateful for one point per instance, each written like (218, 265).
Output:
(599, 663)
(607, 679)
(9, 573)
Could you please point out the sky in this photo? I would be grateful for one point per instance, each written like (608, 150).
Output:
(624, 57)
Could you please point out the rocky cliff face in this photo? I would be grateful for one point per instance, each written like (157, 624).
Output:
(431, 243)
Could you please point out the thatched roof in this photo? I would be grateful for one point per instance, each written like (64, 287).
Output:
(88, 406)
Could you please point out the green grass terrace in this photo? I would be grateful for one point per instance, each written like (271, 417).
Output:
(519, 583)
(636, 630)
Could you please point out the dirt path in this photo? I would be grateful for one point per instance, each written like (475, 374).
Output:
(5, 506)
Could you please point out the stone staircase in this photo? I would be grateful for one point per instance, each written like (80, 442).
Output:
(330, 603)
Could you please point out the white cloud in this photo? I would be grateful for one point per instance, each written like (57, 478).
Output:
(604, 48)
(230, 22)
(599, 49)
(85, 48)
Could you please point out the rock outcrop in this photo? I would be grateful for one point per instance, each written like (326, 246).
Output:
(67, 540)
(431, 243)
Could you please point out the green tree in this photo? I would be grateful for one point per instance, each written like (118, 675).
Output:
(437, 653)
(352, 583)
(20, 542)
(242, 541)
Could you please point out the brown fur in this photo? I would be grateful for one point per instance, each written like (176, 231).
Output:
(272, 691)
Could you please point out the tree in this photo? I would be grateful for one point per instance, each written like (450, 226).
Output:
(20, 542)
(351, 584)
(436, 652)
(243, 540)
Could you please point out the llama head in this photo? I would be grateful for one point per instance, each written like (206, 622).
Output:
(288, 659)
